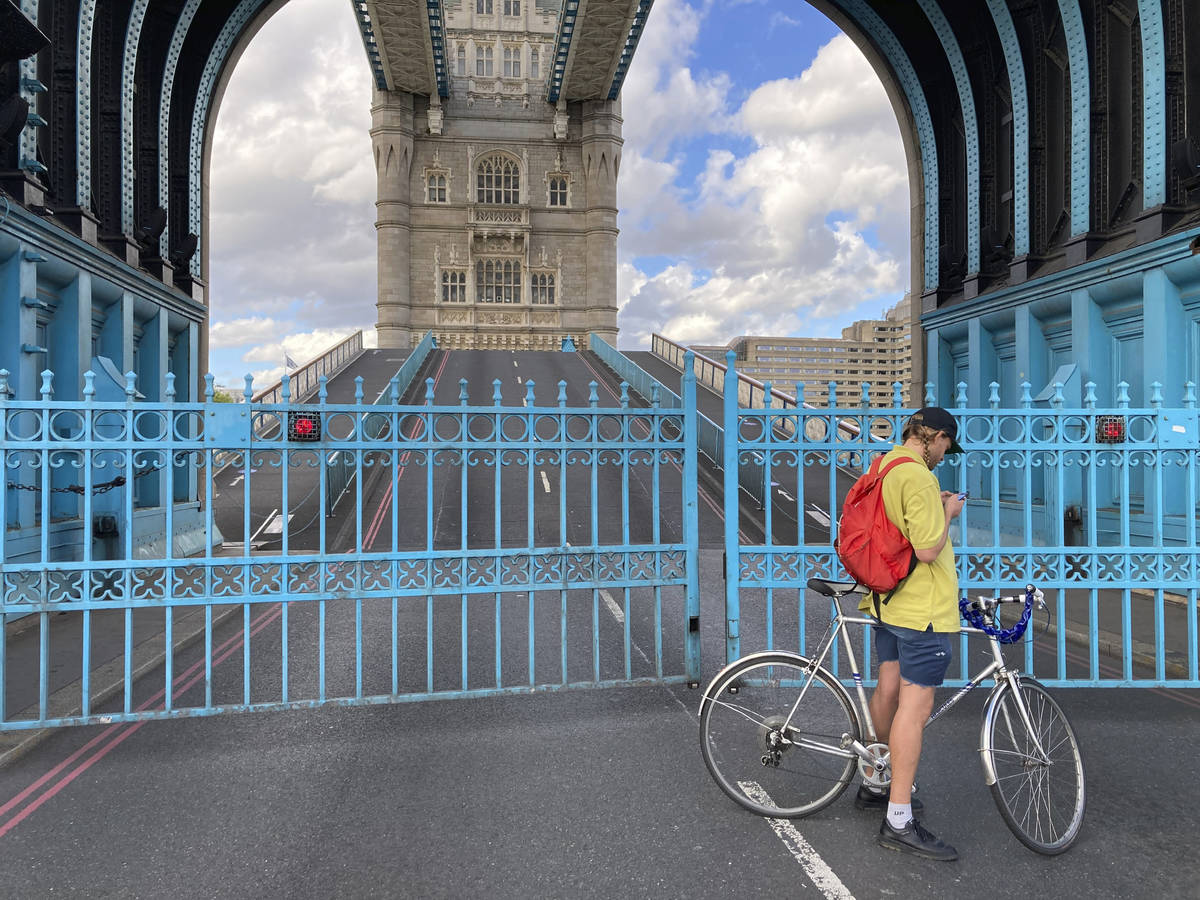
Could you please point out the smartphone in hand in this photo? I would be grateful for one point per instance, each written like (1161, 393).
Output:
(964, 495)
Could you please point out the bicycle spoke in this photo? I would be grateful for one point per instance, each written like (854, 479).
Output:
(800, 768)
(1039, 774)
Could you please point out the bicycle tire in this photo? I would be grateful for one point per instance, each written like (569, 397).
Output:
(1043, 810)
(786, 781)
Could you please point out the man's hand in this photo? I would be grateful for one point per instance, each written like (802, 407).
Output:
(952, 504)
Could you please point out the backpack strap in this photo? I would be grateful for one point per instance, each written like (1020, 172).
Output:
(912, 563)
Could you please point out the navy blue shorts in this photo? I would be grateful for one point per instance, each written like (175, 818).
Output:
(924, 655)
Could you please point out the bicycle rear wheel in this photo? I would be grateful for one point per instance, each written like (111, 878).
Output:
(1041, 797)
(764, 769)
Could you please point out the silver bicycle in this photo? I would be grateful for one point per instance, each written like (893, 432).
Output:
(782, 736)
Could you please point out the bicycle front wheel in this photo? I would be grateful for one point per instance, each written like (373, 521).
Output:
(1033, 765)
(767, 768)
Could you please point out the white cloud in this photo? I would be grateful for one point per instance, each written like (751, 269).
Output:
(293, 183)
(785, 238)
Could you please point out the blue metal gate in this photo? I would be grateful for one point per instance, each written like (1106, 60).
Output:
(1097, 506)
(450, 568)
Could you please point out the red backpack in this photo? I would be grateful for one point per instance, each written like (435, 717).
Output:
(871, 548)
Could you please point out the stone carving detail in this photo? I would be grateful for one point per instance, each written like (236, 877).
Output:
(456, 315)
(498, 318)
(545, 318)
(498, 216)
(545, 263)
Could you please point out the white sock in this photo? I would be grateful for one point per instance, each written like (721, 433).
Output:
(899, 815)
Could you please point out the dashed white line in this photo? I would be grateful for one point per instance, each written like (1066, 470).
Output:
(545, 480)
(818, 871)
(616, 611)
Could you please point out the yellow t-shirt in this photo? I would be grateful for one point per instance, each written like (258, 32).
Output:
(912, 499)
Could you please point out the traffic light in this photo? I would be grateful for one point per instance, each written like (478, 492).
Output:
(1110, 429)
(304, 426)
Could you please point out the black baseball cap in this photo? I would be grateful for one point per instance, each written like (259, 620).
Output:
(937, 418)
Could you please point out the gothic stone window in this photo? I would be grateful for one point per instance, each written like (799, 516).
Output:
(512, 7)
(498, 180)
(533, 63)
(462, 60)
(498, 281)
(483, 7)
(436, 184)
(512, 62)
(557, 185)
(454, 286)
(541, 287)
(483, 61)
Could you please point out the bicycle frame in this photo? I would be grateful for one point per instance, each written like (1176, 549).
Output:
(1004, 676)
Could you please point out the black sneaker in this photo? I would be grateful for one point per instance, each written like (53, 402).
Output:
(878, 800)
(916, 839)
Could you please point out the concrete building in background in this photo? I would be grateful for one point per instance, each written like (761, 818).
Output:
(497, 210)
(875, 351)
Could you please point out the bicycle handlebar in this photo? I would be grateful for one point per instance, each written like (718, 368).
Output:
(989, 604)
(981, 613)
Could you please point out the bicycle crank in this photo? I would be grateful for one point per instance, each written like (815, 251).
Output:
(876, 767)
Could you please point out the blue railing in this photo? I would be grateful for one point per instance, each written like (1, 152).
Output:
(340, 467)
(491, 549)
(303, 382)
(708, 436)
(1096, 506)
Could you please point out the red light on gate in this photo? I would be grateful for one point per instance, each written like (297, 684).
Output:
(304, 426)
(1110, 429)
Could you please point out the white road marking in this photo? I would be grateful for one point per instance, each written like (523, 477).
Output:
(545, 480)
(518, 379)
(514, 366)
(276, 526)
(818, 515)
(786, 495)
(616, 611)
(268, 521)
(817, 869)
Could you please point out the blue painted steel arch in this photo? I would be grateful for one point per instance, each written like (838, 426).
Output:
(133, 36)
(966, 102)
(27, 72)
(1019, 92)
(1154, 105)
(208, 79)
(883, 37)
(83, 103)
(164, 114)
(1081, 116)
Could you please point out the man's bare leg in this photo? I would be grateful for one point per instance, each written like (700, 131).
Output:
(904, 737)
(885, 698)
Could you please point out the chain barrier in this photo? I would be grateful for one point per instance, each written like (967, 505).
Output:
(102, 488)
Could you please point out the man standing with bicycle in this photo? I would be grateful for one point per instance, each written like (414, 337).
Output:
(912, 639)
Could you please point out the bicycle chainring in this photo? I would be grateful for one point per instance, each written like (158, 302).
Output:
(870, 775)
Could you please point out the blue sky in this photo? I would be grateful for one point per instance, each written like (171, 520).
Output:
(763, 187)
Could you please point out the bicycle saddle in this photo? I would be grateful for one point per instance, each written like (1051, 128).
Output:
(835, 588)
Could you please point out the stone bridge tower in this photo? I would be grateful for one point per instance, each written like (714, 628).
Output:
(496, 209)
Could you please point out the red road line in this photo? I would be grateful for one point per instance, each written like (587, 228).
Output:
(191, 675)
(386, 502)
